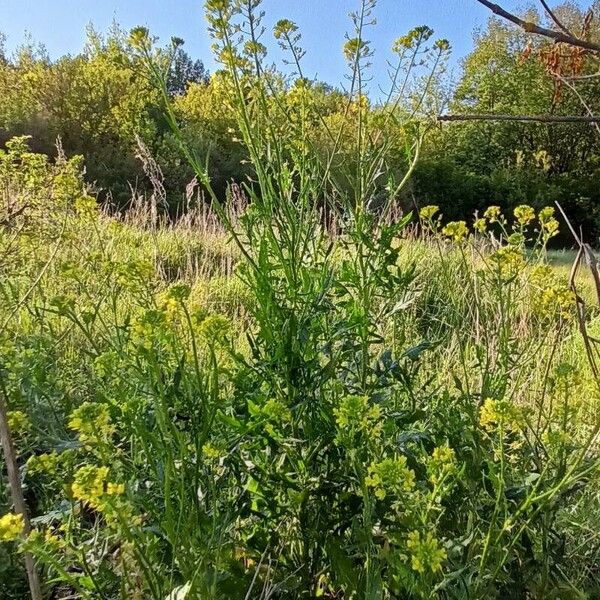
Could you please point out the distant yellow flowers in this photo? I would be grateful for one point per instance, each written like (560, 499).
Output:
(525, 224)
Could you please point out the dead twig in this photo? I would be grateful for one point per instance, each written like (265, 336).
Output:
(525, 118)
(16, 491)
(530, 27)
(584, 251)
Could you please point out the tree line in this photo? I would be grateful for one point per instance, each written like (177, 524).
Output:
(101, 104)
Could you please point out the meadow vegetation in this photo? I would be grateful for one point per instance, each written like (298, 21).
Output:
(296, 389)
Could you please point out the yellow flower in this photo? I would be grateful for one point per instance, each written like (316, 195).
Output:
(211, 452)
(558, 301)
(551, 228)
(11, 527)
(217, 5)
(355, 48)
(427, 212)
(426, 555)
(92, 422)
(43, 463)
(496, 413)
(356, 412)
(549, 224)
(441, 464)
(492, 213)
(214, 328)
(391, 475)
(86, 206)
(546, 214)
(480, 225)
(115, 489)
(509, 261)
(550, 296)
(456, 230)
(524, 214)
(284, 28)
(18, 422)
(51, 540)
(88, 485)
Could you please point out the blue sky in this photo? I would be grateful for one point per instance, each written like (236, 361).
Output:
(60, 25)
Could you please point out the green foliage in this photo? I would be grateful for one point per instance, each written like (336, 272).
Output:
(97, 102)
(469, 165)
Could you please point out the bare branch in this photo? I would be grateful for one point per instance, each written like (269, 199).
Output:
(16, 491)
(529, 27)
(581, 99)
(551, 14)
(524, 118)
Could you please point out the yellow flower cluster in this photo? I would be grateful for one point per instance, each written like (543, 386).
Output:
(500, 413)
(48, 540)
(214, 328)
(355, 48)
(428, 212)
(392, 476)
(524, 214)
(557, 300)
(441, 464)
(43, 463)
(211, 452)
(493, 214)
(106, 363)
(86, 206)
(174, 300)
(148, 327)
(457, 231)
(357, 412)
(132, 275)
(11, 527)
(509, 262)
(91, 487)
(18, 422)
(277, 415)
(551, 297)
(284, 28)
(92, 422)
(480, 225)
(548, 223)
(426, 554)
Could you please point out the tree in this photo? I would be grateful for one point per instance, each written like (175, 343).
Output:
(511, 72)
(184, 71)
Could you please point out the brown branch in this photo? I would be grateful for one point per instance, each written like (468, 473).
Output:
(524, 118)
(529, 27)
(584, 251)
(551, 14)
